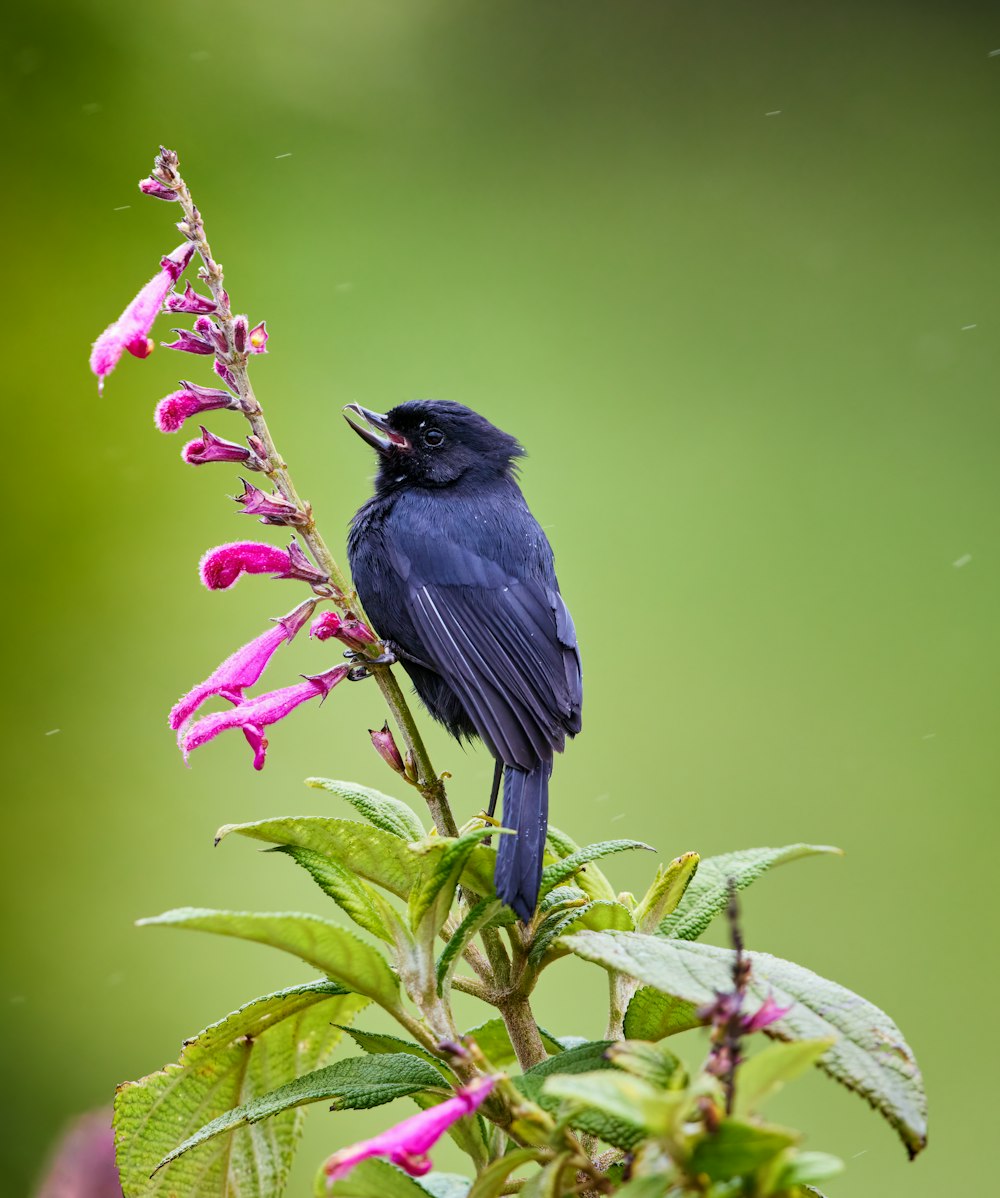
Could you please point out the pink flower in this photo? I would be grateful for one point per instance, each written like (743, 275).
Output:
(153, 187)
(191, 400)
(131, 330)
(254, 715)
(408, 1143)
(769, 1012)
(242, 668)
(385, 746)
(272, 509)
(258, 338)
(352, 632)
(210, 448)
(189, 343)
(83, 1162)
(223, 565)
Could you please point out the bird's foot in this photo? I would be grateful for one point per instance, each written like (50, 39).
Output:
(363, 663)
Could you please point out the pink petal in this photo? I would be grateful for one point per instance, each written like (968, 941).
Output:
(769, 1012)
(223, 565)
(240, 670)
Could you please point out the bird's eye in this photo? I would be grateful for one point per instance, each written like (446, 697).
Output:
(433, 436)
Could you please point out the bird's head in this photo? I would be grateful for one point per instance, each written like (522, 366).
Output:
(433, 442)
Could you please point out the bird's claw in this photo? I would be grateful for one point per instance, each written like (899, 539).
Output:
(383, 659)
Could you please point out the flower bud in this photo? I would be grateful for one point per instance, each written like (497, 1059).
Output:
(210, 448)
(386, 748)
(225, 374)
(190, 301)
(178, 406)
(210, 330)
(240, 332)
(326, 625)
(258, 338)
(302, 568)
(410, 766)
(153, 187)
(188, 343)
(272, 509)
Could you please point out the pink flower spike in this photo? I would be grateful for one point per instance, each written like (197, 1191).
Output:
(153, 187)
(131, 330)
(769, 1012)
(178, 406)
(258, 338)
(254, 715)
(272, 509)
(223, 565)
(190, 301)
(210, 448)
(242, 668)
(408, 1143)
(188, 343)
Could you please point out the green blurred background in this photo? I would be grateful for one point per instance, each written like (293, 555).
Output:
(729, 270)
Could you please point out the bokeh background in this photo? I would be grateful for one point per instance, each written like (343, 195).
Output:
(730, 271)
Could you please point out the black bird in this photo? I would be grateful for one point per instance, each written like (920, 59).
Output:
(457, 577)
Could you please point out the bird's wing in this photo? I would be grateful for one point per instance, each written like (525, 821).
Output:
(506, 646)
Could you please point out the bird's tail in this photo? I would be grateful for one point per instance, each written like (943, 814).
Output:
(519, 858)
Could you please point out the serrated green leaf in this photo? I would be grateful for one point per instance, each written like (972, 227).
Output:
(804, 1168)
(493, 1041)
(737, 1148)
(441, 862)
(652, 1015)
(364, 905)
(766, 1072)
(599, 915)
(666, 891)
(490, 1183)
(340, 954)
(869, 1054)
(375, 855)
(561, 871)
(476, 918)
(379, 1043)
(652, 1062)
(258, 1047)
(619, 1096)
(354, 1084)
(560, 842)
(445, 1185)
(384, 812)
(585, 1058)
(708, 891)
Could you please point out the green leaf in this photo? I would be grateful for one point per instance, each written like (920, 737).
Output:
(355, 1084)
(599, 915)
(666, 891)
(441, 861)
(652, 1015)
(708, 891)
(652, 1062)
(766, 1072)
(253, 1050)
(493, 1040)
(388, 814)
(620, 1096)
(493, 1178)
(445, 1185)
(338, 953)
(547, 1182)
(360, 902)
(560, 871)
(804, 1168)
(475, 919)
(374, 855)
(869, 1054)
(586, 1058)
(373, 1178)
(655, 1186)
(379, 1043)
(738, 1148)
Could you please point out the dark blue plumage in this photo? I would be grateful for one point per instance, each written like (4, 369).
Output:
(458, 578)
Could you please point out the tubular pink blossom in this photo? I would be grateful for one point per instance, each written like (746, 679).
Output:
(272, 509)
(242, 668)
(178, 406)
(769, 1012)
(131, 330)
(326, 625)
(223, 565)
(254, 715)
(351, 632)
(188, 343)
(408, 1143)
(258, 338)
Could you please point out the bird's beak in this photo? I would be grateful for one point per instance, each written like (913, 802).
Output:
(375, 430)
